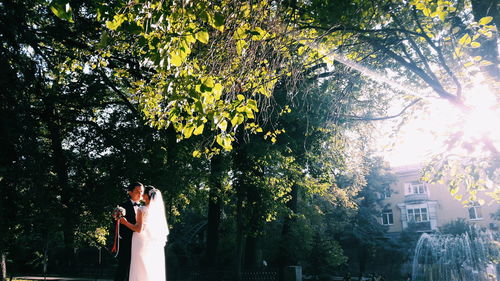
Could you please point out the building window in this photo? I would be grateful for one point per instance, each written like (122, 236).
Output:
(417, 215)
(387, 217)
(416, 187)
(386, 193)
(475, 212)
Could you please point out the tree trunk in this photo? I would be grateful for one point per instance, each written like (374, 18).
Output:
(4, 265)
(283, 255)
(172, 178)
(256, 214)
(214, 210)
(240, 185)
(362, 258)
(251, 251)
(239, 232)
(284, 258)
(61, 169)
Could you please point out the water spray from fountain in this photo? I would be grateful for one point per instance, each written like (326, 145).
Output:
(467, 257)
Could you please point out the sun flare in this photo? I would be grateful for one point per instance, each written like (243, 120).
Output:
(483, 116)
(427, 135)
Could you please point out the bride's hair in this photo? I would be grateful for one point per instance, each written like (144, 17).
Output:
(150, 191)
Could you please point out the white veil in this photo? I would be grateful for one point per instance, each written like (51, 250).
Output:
(157, 228)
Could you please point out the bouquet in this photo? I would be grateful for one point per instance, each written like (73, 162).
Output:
(118, 213)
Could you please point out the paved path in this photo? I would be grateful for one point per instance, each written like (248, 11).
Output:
(52, 278)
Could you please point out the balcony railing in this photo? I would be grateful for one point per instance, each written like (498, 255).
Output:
(416, 197)
(419, 226)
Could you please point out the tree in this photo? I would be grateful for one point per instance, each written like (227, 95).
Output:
(70, 138)
(431, 43)
(364, 238)
(456, 227)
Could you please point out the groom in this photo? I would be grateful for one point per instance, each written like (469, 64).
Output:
(135, 191)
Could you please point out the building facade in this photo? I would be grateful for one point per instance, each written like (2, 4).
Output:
(411, 204)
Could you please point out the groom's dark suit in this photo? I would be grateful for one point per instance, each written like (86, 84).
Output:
(125, 243)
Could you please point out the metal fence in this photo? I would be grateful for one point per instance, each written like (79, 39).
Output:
(220, 275)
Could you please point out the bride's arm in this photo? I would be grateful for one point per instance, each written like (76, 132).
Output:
(137, 227)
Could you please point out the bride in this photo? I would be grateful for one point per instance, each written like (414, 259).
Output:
(147, 262)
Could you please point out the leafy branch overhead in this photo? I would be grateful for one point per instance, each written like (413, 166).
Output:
(202, 65)
(208, 68)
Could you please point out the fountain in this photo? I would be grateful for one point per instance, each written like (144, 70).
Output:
(466, 257)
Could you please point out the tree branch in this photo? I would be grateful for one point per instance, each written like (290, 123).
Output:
(434, 84)
(416, 49)
(440, 57)
(353, 29)
(366, 118)
(98, 128)
(120, 93)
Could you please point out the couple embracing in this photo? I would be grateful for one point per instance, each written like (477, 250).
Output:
(143, 233)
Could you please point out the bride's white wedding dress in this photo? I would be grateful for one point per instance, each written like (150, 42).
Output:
(147, 261)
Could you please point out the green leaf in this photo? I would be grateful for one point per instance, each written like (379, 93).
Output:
(427, 11)
(485, 63)
(252, 104)
(218, 139)
(470, 63)
(188, 131)
(485, 20)
(62, 10)
(208, 98)
(222, 125)
(208, 82)
(442, 15)
(258, 34)
(117, 22)
(176, 58)
(104, 39)
(248, 112)
(465, 40)
(190, 38)
(237, 119)
(475, 44)
(202, 36)
(196, 154)
(224, 141)
(215, 20)
(241, 32)
(217, 91)
(199, 130)
(227, 143)
(240, 45)
(99, 13)
(219, 22)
